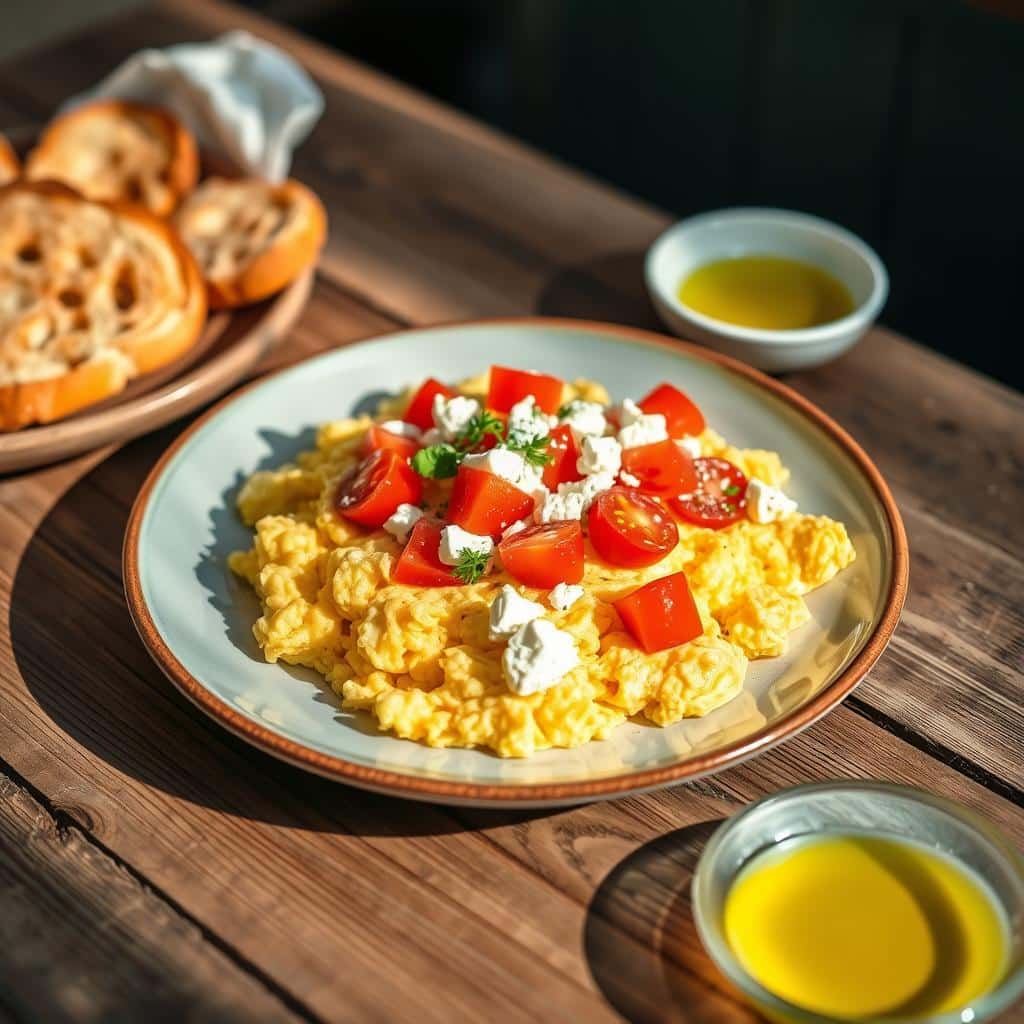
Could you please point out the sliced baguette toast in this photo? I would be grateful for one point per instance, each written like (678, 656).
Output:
(113, 150)
(250, 238)
(91, 295)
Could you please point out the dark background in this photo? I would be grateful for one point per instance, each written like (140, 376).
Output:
(903, 120)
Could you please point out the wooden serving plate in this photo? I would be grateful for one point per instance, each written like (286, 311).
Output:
(231, 344)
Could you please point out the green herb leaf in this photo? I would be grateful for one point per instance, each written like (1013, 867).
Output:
(484, 423)
(472, 565)
(533, 450)
(566, 410)
(437, 461)
(732, 490)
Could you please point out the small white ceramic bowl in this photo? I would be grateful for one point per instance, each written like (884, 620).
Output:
(727, 234)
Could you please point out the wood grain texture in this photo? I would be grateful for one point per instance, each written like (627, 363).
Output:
(364, 908)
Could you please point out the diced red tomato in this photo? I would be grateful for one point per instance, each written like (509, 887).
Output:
(719, 498)
(662, 468)
(564, 452)
(541, 556)
(510, 386)
(661, 614)
(419, 564)
(682, 417)
(420, 409)
(630, 529)
(486, 504)
(377, 437)
(370, 492)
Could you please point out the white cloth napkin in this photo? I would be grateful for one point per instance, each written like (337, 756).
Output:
(240, 96)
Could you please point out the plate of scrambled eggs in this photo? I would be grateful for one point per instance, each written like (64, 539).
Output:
(529, 561)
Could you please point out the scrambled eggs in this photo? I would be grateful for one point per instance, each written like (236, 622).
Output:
(420, 660)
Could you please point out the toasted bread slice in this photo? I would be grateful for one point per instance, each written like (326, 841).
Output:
(10, 165)
(113, 150)
(91, 295)
(249, 237)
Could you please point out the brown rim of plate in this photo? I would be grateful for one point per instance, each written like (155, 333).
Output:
(427, 788)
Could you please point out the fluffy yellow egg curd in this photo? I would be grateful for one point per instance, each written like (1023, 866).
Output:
(419, 659)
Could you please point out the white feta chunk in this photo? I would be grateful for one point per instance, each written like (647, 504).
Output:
(585, 418)
(500, 462)
(627, 412)
(565, 595)
(452, 415)
(402, 429)
(400, 523)
(766, 504)
(599, 455)
(526, 421)
(690, 445)
(538, 656)
(647, 428)
(455, 541)
(572, 500)
(509, 611)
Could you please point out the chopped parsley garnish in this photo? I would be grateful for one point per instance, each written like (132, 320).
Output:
(484, 423)
(732, 490)
(567, 409)
(437, 461)
(534, 450)
(472, 565)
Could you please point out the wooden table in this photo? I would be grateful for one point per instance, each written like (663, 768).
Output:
(152, 866)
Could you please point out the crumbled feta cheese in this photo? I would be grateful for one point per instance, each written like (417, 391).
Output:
(501, 462)
(537, 656)
(585, 418)
(431, 436)
(765, 504)
(400, 523)
(629, 480)
(452, 415)
(690, 445)
(599, 455)
(526, 421)
(573, 499)
(565, 595)
(510, 611)
(455, 540)
(647, 428)
(402, 429)
(627, 412)
(516, 527)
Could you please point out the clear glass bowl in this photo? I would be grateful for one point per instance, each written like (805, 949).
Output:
(881, 809)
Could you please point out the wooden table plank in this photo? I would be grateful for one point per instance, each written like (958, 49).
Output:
(435, 217)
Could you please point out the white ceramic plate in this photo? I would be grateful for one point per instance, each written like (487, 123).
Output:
(196, 618)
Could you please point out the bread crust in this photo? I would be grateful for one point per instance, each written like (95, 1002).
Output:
(51, 398)
(176, 176)
(289, 253)
(10, 165)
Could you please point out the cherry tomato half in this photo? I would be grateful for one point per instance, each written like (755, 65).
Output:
(662, 468)
(421, 407)
(719, 498)
(564, 452)
(377, 437)
(682, 417)
(510, 386)
(486, 504)
(630, 529)
(541, 556)
(370, 492)
(419, 565)
(661, 614)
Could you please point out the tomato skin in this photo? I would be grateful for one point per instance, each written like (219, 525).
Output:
(369, 492)
(662, 468)
(420, 411)
(564, 452)
(630, 529)
(377, 437)
(509, 386)
(483, 503)
(419, 564)
(707, 504)
(545, 555)
(682, 417)
(661, 614)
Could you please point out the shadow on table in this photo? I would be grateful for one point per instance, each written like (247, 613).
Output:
(609, 288)
(641, 943)
(82, 661)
